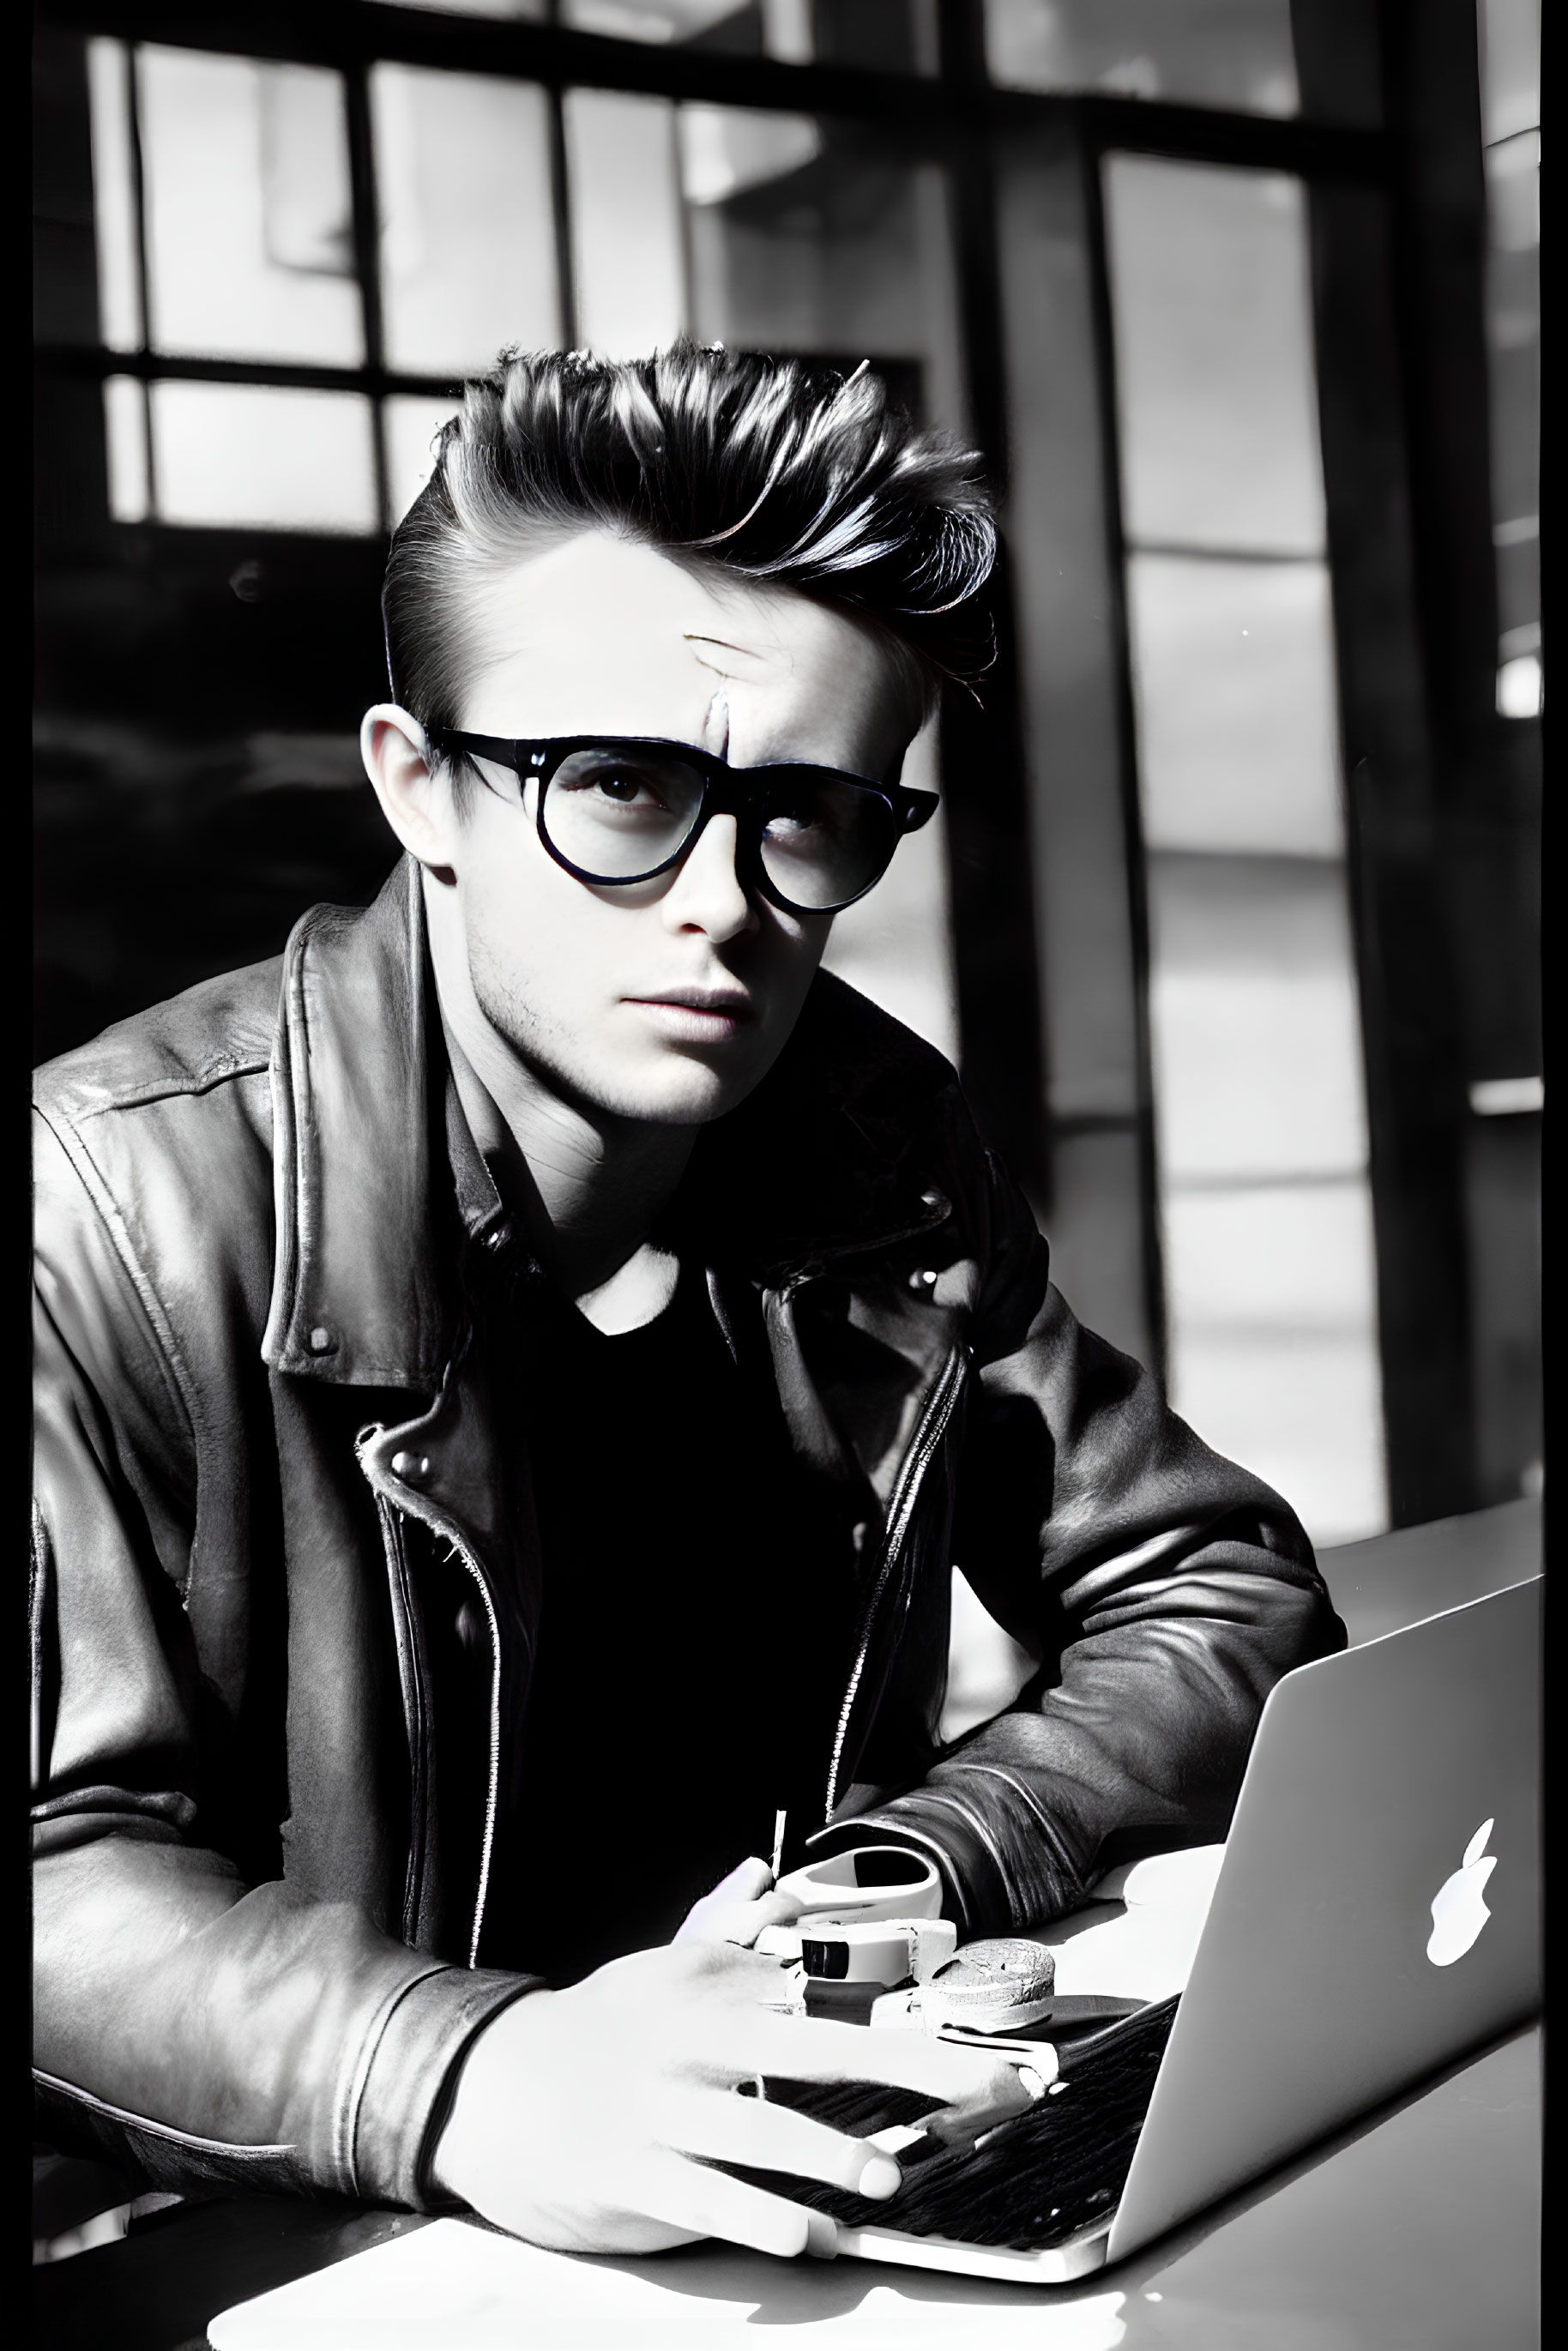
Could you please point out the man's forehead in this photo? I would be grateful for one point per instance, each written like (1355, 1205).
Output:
(605, 631)
(598, 585)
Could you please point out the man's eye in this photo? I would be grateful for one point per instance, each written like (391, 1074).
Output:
(794, 816)
(606, 789)
(624, 787)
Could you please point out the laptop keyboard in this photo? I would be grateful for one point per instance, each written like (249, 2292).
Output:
(1034, 2182)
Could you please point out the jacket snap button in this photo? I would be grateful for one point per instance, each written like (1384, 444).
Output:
(924, 1277)
(413, 1468)
(321, 1341)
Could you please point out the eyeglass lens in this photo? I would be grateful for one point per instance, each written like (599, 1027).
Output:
(618, 815)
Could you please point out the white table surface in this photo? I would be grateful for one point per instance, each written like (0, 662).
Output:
(1419, 2232)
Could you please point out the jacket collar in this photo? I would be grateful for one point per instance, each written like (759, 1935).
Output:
(355, 1298)
(375, 1173)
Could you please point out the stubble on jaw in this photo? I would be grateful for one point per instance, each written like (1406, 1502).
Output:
(545, 1046)
(541, 1042)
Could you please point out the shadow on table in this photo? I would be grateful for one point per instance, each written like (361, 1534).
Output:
(157, 2289)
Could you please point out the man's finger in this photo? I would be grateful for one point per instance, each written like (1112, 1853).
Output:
(724, 1914)
(746, 1881)
(776, 1910)
(725, 2128)
(693, 2195)
(814, 2049)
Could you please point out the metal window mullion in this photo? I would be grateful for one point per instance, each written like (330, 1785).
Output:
(1093, 160)
(143, 284)
(560, 200)
(96, 360)
(560, 196)
(368, 259)
(996, 933)
(688, 247)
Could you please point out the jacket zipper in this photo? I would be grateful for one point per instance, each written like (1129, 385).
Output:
(408, 1663)
(928, 1436)
(493, 1791)
(447, 1530)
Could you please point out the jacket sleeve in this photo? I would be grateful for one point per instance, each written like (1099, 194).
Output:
(1164, 1590)
(200, 2032)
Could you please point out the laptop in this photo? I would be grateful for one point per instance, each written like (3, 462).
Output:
(1376, 1916)
(1361, 1936)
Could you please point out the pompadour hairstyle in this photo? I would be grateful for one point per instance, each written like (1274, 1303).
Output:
(766, 470)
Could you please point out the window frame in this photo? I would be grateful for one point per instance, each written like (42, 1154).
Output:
(944, 119)
(1352, 172)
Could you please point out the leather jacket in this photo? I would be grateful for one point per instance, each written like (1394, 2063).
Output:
(273, 1469)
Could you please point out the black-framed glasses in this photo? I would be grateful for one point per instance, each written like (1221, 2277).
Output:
(625, 808)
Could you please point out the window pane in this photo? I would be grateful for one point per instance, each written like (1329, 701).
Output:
(269, 460)
(625, 207)
(705, 23)
(810, 238)
(890, 35)
(1273, 1294)
(895, 944)
(1230, 53)
(1211, 298)
(114, 214)
(986, 1668)
(1295, 1254)
(1253, 1019)
(1238, 725)
(724, 152)
(467, 256)
(409, 425)
(249, 217)
(1254, 1013)
(125, 437)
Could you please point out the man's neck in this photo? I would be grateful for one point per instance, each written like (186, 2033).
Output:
(588, 1185)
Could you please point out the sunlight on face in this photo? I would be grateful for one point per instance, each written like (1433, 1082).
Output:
(668, 1000)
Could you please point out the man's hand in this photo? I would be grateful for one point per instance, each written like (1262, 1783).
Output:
(738, 1908)
(589, 2119)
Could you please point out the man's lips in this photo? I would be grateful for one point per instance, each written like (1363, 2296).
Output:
(697, 1013)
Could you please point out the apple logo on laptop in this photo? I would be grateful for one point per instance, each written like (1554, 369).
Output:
(1460, 1910)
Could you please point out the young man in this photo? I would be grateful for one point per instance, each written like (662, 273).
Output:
(517, 1376)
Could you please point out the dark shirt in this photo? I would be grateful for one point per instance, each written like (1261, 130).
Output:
(694, 1637)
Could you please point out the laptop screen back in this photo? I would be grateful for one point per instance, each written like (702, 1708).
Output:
(1364, 1932)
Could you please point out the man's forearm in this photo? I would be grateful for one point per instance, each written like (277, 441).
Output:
(1150, 1727)
(208, 2034)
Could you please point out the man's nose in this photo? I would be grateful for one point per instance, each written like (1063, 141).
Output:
(705, 894)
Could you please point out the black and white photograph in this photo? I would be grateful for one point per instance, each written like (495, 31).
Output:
(788, 1083)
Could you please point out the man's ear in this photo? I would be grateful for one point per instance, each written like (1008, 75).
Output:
(415, 798)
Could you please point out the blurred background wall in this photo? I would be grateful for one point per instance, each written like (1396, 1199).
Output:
(1232, 918)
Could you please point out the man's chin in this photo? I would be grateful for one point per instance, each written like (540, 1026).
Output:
(661, 1081)
(685, 1093)
(670, 1089)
